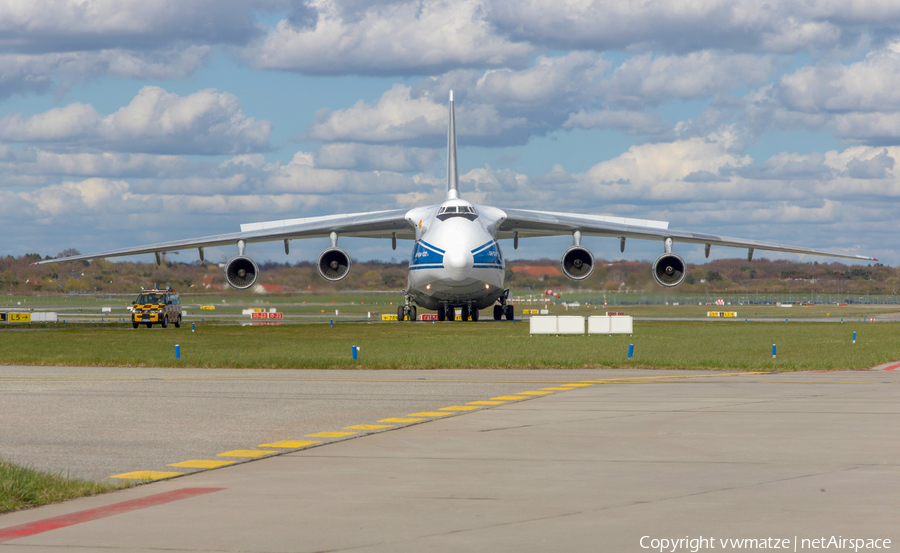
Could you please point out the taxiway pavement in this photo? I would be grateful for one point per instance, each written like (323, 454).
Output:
(588, 468)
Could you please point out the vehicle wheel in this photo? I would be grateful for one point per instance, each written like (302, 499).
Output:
(412, 313)
(498, 312)
(149, 325)
(510, 313)
(134, 324)
(178, 322)
(401, 316)
(451, 313)
(474, 314)
(464, 311)
(165, 322)
(441, 315)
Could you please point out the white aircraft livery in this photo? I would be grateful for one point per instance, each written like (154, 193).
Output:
(456, 261)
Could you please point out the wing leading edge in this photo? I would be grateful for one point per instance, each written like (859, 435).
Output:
(545, 223)
(373, 224)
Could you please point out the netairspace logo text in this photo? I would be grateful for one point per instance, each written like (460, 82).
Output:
(687, 543)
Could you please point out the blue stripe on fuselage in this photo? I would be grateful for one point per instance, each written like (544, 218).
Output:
(426, 254)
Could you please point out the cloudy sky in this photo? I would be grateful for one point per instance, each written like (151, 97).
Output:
(129, 122)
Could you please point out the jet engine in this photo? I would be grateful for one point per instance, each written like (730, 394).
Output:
(334, 264)
(668, 270)
(577, 263)
(241, 272)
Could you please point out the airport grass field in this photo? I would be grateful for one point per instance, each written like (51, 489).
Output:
(390, 345)
(23, 488)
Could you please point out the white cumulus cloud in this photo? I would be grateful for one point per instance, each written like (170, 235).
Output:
(155, 121)
(395, 38)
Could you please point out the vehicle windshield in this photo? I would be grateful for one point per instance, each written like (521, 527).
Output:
(151, 298)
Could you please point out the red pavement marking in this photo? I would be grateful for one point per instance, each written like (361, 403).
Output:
(40, 526)
(892, 367)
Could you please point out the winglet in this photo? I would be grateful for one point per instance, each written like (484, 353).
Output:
(452, 168)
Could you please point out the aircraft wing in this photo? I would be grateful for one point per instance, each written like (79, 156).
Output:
(373, 224)
(546, 223)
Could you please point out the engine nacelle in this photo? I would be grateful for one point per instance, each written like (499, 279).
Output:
(334, 264)
(577, 263)
(241, 272)
(669, 269)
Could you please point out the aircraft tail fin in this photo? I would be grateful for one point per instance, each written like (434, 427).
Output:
(452, 168)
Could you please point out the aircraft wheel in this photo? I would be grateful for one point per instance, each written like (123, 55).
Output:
(464, 310)
(178, 322)
(451, 313)
(441, 315)
(401, 316)
(412, 313)
(165, 322)
(474, 313)
(149, 325)
(134, 324)
(498, 312)
(510, 313)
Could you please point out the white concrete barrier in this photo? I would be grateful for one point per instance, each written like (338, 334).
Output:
(602, 324)
(569, 325)
(621, 325)
(542, 325)
(598, 324)
(556, 325)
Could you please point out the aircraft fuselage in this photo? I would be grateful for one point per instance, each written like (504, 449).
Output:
(456, 258)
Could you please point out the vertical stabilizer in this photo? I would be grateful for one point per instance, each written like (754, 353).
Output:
(452, 169)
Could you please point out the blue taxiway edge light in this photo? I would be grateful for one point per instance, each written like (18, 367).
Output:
(177, 351)
(630, 351)
(773, 351)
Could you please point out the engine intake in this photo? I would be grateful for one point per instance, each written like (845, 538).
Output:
(668, 270)
(334, 264)
(241, 272)
(577, 263)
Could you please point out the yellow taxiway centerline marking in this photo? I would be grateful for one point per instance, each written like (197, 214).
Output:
(460, 408)
(533, 393)
(146, 475)
(400, 420)
(429, 414)
(560, 389)
(509, 398)
(368, 426)
(290, 444)
(200, 464)
(577, 385)
(486, 402)
(245, 453)
(330, 434)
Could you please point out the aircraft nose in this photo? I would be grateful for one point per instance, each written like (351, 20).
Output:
(458, 263)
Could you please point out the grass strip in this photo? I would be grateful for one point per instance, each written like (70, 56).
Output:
(22, 487)
(731, 345)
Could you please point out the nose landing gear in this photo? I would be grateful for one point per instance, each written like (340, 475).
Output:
(407, 311)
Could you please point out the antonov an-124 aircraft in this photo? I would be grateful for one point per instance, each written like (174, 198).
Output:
(456, 261)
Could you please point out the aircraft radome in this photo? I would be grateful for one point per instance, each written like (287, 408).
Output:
(456, 261)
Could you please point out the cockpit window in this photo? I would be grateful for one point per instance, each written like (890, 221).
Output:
(465, 211)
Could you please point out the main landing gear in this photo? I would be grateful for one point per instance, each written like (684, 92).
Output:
(505, 309)
(447, 312)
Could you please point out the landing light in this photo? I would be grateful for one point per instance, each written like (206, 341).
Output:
(486, 286)
(428, 287)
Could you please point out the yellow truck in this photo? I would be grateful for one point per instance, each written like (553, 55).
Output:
(156, 306)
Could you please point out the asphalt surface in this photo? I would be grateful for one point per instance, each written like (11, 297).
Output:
(95, 423)
(633, 455)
